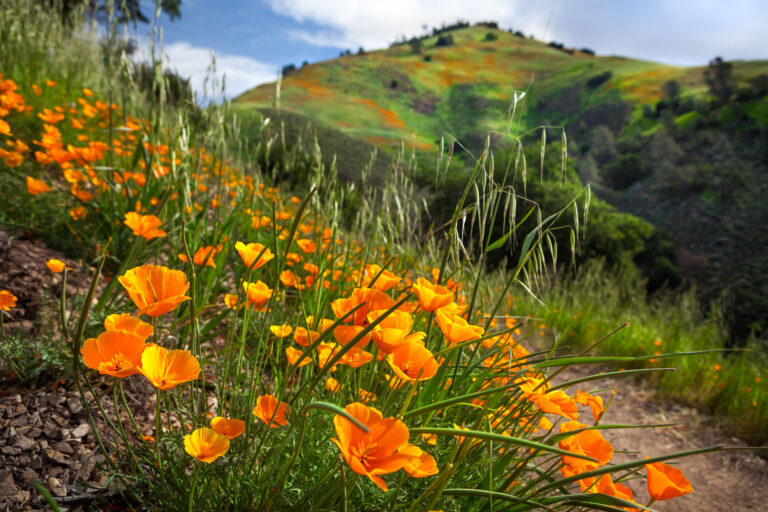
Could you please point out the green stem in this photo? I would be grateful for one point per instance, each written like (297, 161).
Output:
(158, 420)
(194, 485)
(63, 305)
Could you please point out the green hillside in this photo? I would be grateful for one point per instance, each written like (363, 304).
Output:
(416, 95)
(665, 143)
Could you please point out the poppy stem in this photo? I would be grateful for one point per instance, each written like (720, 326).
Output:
(343, 485)
(194, 485)
(2, 327)
(63, 306)
(158, 420)
(411, 393)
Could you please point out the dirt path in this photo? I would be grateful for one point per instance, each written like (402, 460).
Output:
(724, 481)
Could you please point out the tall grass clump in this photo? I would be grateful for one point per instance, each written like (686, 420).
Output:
(288, 363)
(729, 385)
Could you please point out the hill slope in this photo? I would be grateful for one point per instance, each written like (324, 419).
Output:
(650, 138)
(418, 94)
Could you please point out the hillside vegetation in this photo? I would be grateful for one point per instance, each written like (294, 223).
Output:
(677, 146)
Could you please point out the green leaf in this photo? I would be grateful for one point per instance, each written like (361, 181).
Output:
(490, 436)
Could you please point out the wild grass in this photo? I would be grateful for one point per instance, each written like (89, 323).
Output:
(414, 364)
(729, 384)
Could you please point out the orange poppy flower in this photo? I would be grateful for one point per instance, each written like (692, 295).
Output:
(114, 353)
(249, 254)
(589, 442)
(35, 187)
(5, 128)
(306, 246)
(258, 293)
(293, 355)
(553, 402)
(594, 402)
(346, 333)
(166, 369)
(392, 331)
(332, 385)
(56, 266)
(456, 329)
(382, 450)
(78, 212)
(666, 482)
(203, 256)
(270, 411)
(430, 439)
(281, 331)
(355, 357)
(431, 296)
(230, 428)
(304, 337)
(366, 396)
(411, 361)
(371, 299)
(383, 282)
(422, 465)
(230, 300)
(146, 226)
(128, 324)
(461, 439)
(7, 300)
(206, 444)
(155, 289)
(49, 116)
(290, 280)
(607, 486)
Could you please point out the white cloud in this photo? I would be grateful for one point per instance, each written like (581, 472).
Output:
(376, 23)
(241, 73)
(671, 31)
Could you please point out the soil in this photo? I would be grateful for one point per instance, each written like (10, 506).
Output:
(24, 273)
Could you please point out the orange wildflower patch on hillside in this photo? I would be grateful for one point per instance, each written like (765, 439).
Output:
(314, 89)
(645, 87)
(390, 117)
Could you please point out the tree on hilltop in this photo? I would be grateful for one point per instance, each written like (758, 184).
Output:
(719, 78)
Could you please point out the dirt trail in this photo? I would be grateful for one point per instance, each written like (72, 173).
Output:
(723, 481)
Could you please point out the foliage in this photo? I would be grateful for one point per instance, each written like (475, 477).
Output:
(27, 359)
(719, 79)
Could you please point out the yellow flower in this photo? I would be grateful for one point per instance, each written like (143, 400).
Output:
(206, 444)
(281, 331)
(166, 369)
(254, 255)
(56, 266)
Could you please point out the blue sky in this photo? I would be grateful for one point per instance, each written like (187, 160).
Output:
(252, 39)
